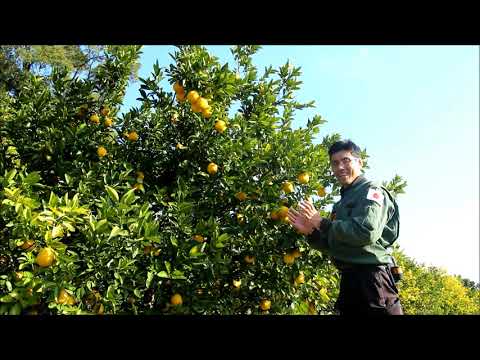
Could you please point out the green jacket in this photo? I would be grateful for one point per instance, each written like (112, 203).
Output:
(364, 223)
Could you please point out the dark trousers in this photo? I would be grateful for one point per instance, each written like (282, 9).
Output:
(368, 290)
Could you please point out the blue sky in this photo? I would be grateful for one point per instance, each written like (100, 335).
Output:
(416, 111)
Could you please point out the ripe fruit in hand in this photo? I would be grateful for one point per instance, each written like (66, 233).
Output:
(303, 178)
(176, 299)
(274, 215)
(212, 168)
(220, 126)
(265, 304)
(287, 187)
(45, 257)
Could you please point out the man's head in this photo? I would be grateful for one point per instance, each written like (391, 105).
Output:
(345, 161)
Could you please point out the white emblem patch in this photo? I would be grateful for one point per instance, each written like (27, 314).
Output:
(375, 195)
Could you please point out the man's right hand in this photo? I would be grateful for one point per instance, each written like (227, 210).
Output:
(299, 222)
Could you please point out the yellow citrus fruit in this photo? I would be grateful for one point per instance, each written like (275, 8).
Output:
(95, 119)
(108, 122)
(241, 196)
(282, 212)
(287, 187)
(45, 257)
(265, 304)
(321, 191)
(249, 259)
(285, 220)
(101, 151)
(241, 219)
(196, 108)
(237, 283)
(132, 136)
(176, 299)
(296, 253)
(192, 96)
(27, 244)
(199, 238)
(180, 96)
(300, 279)
(174, 118)
(288, 259)
(104, 111)
(303, 178)
(178, 88)
(138, 186)
(220, 126)
(180, 146)
(65, 298)
(18, 275)
(212, 168)
(274, 215)
(207, 112)
(202, 103)
(147, 249)
(140, 175)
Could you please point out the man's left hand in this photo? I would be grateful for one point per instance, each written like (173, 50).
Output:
(311, 214)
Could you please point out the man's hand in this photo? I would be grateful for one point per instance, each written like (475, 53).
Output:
(310, 213)
(299, 222)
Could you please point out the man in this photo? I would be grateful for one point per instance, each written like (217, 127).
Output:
(363, 225)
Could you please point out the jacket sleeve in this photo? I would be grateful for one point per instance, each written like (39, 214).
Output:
(318, 239)
(364, 227)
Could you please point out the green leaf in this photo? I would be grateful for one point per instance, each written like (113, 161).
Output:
(128, 197)
(137, 293)
(10, 175)
(101, 226)
(116, 231)
(150, 276)
(15, 310)
(52, 202)
(32, 178)
(167, 266)
(68, 179)
(163, 274)
(112, 193)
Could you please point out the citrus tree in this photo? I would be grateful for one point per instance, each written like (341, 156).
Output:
(177, 206)
(428, 290)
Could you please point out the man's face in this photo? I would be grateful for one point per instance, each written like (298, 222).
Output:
(345, 167)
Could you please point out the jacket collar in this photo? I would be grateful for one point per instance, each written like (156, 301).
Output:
(358, 181)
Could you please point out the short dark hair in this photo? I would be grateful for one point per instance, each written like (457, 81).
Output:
(347, 145)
